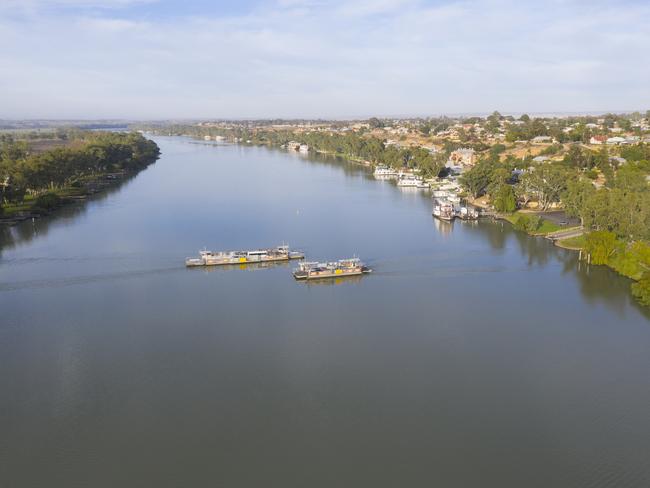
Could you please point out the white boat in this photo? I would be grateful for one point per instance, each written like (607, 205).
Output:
(382, 170)
(443, 209)
(410, 180)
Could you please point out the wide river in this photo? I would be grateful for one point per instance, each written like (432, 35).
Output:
(474, 356)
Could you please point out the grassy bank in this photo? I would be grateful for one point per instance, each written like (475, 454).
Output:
(572, 243)
(533, 224)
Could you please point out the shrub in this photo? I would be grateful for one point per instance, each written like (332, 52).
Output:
(641, 289)
(505, 199)
(528, 223)
(601, 246)
(48, 201)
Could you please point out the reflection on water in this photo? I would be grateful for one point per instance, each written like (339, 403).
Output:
(355, 279)
(12, 236)
(442, 226)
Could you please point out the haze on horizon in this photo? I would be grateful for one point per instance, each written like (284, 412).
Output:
(151, 59)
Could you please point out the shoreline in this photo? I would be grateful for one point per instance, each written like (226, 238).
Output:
(95, 185)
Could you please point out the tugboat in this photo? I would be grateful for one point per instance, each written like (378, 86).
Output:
(210, 258)
(335, 269)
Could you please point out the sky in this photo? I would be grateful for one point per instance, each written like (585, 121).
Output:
(164, 59)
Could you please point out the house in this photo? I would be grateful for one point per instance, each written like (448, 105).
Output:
(542, 140)
(541, 159)
(598, 140)
(463, 156)
(615, 140)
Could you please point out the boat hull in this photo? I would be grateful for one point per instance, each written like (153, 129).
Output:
(327, 274)
(198, 262)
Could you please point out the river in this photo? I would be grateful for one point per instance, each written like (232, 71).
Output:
(474, 355)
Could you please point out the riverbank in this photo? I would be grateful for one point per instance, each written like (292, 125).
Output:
(36, 206)
(36, 182)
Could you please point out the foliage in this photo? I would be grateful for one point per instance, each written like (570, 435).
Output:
(579, 158)
(547, 182)
(504, 200)
(641, 289)
(478, 178)
(601, 245)
(527, 223)
(47, 201)
(89, 153)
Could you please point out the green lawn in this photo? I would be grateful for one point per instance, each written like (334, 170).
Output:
(546, 226)
(572, 242)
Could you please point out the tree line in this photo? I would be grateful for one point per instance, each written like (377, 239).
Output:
(87, 154)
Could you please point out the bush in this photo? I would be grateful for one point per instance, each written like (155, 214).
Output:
(641, 289)
(48, 201)
(505, 199)
(528, 223)
(601, 246)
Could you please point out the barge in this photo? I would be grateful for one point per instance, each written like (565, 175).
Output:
(335, 269)
(210, 258)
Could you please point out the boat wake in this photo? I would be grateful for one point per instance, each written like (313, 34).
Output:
(82, 280)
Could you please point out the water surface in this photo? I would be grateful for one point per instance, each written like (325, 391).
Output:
(473, 356)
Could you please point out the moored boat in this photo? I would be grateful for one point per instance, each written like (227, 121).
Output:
(211, 258)
(409, 180)
(383, 170)
(336, 269)
(443, 209)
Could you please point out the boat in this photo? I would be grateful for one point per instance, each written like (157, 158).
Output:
(468, 213)
(337, 269)
(443, 209)
(210, 258)
(383, 170)
(413, 181)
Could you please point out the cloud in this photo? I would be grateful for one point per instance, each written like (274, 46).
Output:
(336, 58)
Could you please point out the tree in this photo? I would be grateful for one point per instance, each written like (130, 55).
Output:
(504, 200)
(600, 246)
(575, 197)
(547, 183)
(477, 179)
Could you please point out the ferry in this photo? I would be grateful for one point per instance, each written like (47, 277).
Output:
(336, 269)
(210, 258)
